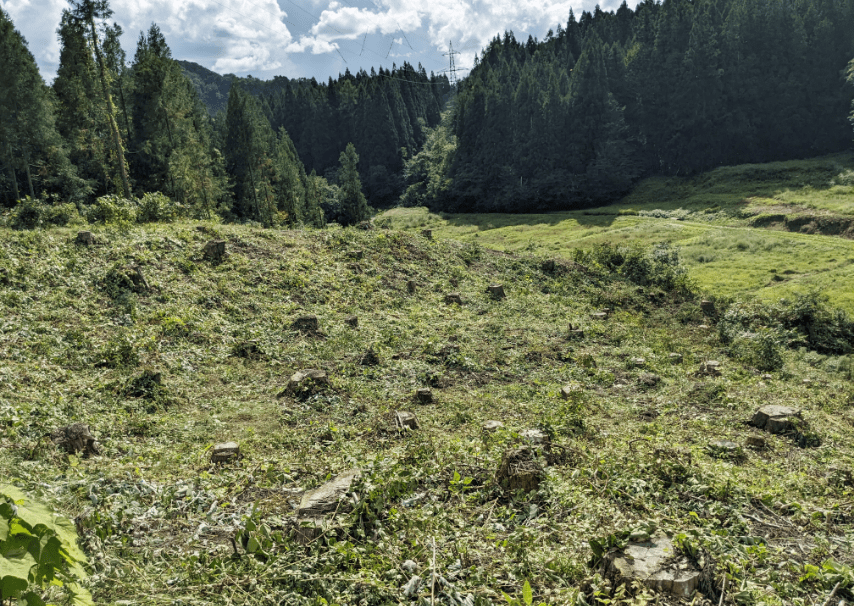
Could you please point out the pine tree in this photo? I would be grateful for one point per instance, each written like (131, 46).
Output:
(354, 206)
(87, 12)
(30, 146)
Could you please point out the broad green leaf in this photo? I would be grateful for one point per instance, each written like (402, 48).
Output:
(597, 548)
(12, 493)
(80, 596)
(253, 545)
(11, 586)
(32, 599)
(4, 529)
(527, 594)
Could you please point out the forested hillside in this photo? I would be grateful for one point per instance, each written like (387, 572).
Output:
(669, 88)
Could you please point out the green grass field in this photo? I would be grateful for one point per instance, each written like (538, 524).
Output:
(706, 217)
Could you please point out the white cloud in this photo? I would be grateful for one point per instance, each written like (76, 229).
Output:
(259, 37)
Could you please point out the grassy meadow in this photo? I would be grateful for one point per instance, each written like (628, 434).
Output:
(710, 218)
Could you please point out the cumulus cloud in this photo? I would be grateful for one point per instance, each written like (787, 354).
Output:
(268, 37)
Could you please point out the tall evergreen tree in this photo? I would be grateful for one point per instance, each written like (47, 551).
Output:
(31, 149)
(88, 13)
(354, 206)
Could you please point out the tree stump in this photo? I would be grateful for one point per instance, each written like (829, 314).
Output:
(520, 470)
(307, 323)
(548, 266)
(708, 308)
(712, 368)
(76, 438)
(305, 383)
(427, 233)
(352, 321)
(423, 395)
(406, 420)
(85, 238)
(452, 298)
(675, 358)
(214, 251)
(490, 426)
(496, 291)
(225, 451)
(369, 358)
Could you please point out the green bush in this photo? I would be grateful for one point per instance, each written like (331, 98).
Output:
(38, 550)
(113, 210)
(32, 213)
(155, 207)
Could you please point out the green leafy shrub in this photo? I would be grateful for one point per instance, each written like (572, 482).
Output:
(32, 213)
(154, 207)
(113, 210)
(119, 352)
(38, 552)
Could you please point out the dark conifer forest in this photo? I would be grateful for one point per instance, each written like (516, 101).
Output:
(572, 120)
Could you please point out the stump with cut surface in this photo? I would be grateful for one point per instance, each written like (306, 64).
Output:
(352, 321)
(537, 438)
(85, 238)
(453, 298)
(76, 438)
(334, 498)
(221, 453)
(307, 323)
(708, 307)
(675, 358)
(496, 291)
(411, 286)
(423, 395)
(427, 233)
(305, 383)
(599, 315)
(777, 419)
(712, 368)
(490, 426)
(406, 420)
(214, 251)
(370, 358)
(657, 564)
(520, 470)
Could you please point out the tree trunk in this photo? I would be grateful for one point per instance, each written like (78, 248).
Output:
(29, 176)
(12, 174)
(111, 112)
(254, 193)
(172, 143)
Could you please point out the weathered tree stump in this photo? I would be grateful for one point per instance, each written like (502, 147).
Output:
(520, 470)
(637, 362)
(308, 323)
(675, 358)
(411, 286)
(427, 233)
(406, 420)
(453, 298)
(85, 238)
(777, 419)
(357, 254)
(352, 321)
(490, 426)
(248, 350)
(548, 266)
(423, 395)
(76, 438)
(711, 368)
(214, 251)
(305, 383)
(369, 358)
(221, 453)
(496, 291)
(599, 315)
(708, 307)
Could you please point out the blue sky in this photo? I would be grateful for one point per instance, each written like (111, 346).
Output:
(310, 38)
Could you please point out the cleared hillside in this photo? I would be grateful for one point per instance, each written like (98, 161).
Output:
(163, 353)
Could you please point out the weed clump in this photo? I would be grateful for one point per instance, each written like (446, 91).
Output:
(148, 386)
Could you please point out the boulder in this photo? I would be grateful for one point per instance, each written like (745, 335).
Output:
(352, 321)
(307, 323)
(221, 453)
(76, 438)
(496, 291)
(776, 419)
(214, 251)
(423, 395)
(406, 420)
(520, 470)
(306, 382)
(453, 297)
(85, 238)
(489, 426)
(656, 564)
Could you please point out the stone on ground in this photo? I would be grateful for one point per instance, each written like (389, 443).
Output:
(776, 419)
(225, 451)
(657, 565)
(423, 395)
(520, 470)
(76, 438)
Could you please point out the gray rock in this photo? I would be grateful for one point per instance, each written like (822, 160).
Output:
(655, 563)
(406, 420)
(453, 297)
(776, 419)
(328, 497)
(489, 426)
(225, 451)
(496, 291)
(423, 395)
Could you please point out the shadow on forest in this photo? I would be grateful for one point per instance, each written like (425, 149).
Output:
(489, 221)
